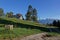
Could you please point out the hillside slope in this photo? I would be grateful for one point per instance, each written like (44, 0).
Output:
(23, 28)
(14, 20)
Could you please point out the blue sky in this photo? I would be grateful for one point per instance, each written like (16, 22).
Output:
(45, 8)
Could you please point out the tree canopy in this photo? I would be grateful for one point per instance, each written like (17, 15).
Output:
(1, 12)
(31, 14)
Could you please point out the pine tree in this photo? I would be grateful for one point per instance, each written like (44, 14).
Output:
(34, 15)
(58, 23)
(1, 12)
(29, 12)
(54, 23)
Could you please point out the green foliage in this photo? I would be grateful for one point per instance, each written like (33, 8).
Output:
(29, 6)
(2, 25)
(56, 23)
(1, 12)
(28, 16)
(34, 15)
(9, 14)
(31, 14)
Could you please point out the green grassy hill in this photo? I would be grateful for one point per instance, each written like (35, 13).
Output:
(19, 21)
(21, 28)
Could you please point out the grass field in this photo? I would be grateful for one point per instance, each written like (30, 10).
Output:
(21, 32)
(23, 28)
(17, 32)
(22, 21)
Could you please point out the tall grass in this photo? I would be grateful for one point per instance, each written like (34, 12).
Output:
(17, 32)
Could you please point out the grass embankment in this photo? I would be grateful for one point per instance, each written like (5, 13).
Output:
(17, 31)
(25, 28)
(21, 21)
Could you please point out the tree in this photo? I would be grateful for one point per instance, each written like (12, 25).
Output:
(34, 15)
(1, 12)
(29, 12)
(58, 23)
(9, 14)
(54, 23)
(28, 16)
(30, 9)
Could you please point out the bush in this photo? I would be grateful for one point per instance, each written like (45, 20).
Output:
(2, 25)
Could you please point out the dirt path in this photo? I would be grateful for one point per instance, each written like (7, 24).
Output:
(34, 37)
(41, 36)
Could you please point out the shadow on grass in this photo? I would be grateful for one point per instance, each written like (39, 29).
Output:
(56, 30)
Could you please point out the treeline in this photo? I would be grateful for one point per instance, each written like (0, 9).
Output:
(10, 14)
(55, 23)
(31, 14)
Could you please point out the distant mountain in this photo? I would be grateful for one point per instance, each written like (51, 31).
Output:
(45, 21)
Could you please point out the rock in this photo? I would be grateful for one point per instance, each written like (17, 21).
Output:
(9, 27)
